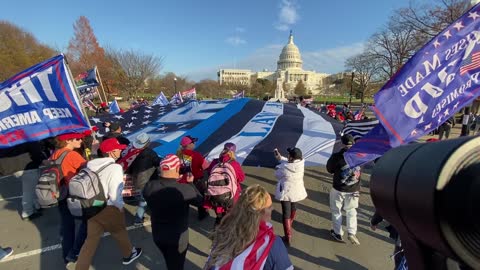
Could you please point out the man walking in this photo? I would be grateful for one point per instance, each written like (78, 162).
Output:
(344, 193)
(111, 218)
(169, 202)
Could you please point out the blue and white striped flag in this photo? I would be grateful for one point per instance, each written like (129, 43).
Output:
(358, 128)
(160, 100)
(176, 99)
(114, 108)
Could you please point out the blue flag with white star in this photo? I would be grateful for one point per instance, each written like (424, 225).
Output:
(438, 81)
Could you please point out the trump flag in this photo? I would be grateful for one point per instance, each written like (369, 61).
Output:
(430, 88)
(38, 103)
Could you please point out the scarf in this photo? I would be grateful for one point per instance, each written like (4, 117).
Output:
(256, 254)
(128, 157)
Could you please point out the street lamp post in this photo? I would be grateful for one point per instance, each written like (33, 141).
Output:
(175, 84)
(351, 89)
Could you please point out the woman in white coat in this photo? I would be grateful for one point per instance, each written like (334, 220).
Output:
(290, 187)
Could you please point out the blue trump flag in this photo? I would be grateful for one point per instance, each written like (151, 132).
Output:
(114, 108)
(161, 100)
(438, 81)
(38, 103)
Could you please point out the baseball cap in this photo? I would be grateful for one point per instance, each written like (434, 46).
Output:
(114, 126)
(69, 136)
(230, 146)
(111, 144)
(295, 153)
(170, 162)
(347, 139)
(188, 140)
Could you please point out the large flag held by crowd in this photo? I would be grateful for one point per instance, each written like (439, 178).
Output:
(437, 82)
(38, 103)
(256, 127)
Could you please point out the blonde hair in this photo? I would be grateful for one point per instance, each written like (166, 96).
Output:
(230, 154)
(239, 227)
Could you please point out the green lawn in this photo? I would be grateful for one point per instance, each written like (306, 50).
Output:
(341, 99)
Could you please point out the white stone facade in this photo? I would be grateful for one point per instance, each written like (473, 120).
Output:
(289, 70)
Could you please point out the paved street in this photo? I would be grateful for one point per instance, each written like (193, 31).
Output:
(37, 246)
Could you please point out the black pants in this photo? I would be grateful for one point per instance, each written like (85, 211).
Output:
(287, 209)
(444, 129)
(174, 256)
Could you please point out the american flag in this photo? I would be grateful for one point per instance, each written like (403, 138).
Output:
(358, 128)
(190, 94)
(472, 62)
(239, 94)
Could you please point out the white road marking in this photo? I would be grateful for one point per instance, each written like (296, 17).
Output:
(59, 246)
(10, 198)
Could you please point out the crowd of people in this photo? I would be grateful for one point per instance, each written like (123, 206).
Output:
(167, 186)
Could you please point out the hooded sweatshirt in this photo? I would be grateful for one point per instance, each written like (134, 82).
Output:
(111, 179)
(290, 185)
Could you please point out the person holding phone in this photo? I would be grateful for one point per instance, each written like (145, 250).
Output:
(290, 187)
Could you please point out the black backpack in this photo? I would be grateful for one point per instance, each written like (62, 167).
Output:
(49, 189)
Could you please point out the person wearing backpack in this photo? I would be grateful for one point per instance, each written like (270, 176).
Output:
(227, 156)
(193, 164)
(72, 240)
(22, 162)
(111, 218)
(290, 188)
(170, 202)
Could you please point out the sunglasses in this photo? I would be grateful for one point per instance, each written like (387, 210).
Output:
(78, 139)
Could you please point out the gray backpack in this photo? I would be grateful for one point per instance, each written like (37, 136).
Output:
(50, 189)
(86, 196)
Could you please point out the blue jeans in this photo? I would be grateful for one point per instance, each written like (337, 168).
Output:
(71, 242)
(29, 180)
(142, 204)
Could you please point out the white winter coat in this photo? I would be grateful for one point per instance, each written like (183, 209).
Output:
(290, 186)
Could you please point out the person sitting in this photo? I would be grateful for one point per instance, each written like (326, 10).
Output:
(246, 229)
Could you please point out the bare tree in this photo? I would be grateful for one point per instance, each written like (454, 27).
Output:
(365, 68)
(429, 19)
(392, 47)
(136, 69)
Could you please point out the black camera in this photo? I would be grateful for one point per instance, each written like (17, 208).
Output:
(430, 192)
(185, 169)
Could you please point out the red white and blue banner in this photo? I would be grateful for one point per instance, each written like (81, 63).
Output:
(437, 82)
(256, 127)
(239, 95)
(38, 103)
(189, 94)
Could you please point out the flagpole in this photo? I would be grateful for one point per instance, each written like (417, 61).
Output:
(98, 93)
(76, 91)
(101, 84)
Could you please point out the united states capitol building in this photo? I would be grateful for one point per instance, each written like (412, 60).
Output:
(289, 72)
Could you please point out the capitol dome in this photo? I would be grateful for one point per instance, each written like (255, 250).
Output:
(290, 56)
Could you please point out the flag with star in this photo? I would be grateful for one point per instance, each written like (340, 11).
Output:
(437, 82)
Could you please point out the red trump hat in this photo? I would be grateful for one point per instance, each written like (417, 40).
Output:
(111, 144)
(70, 136)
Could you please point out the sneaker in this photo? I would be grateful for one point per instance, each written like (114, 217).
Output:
(6, 252)
(353, 239)
(337, 237)
(138, 221)
(71, 258)
(32, 216)
(133, 256)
